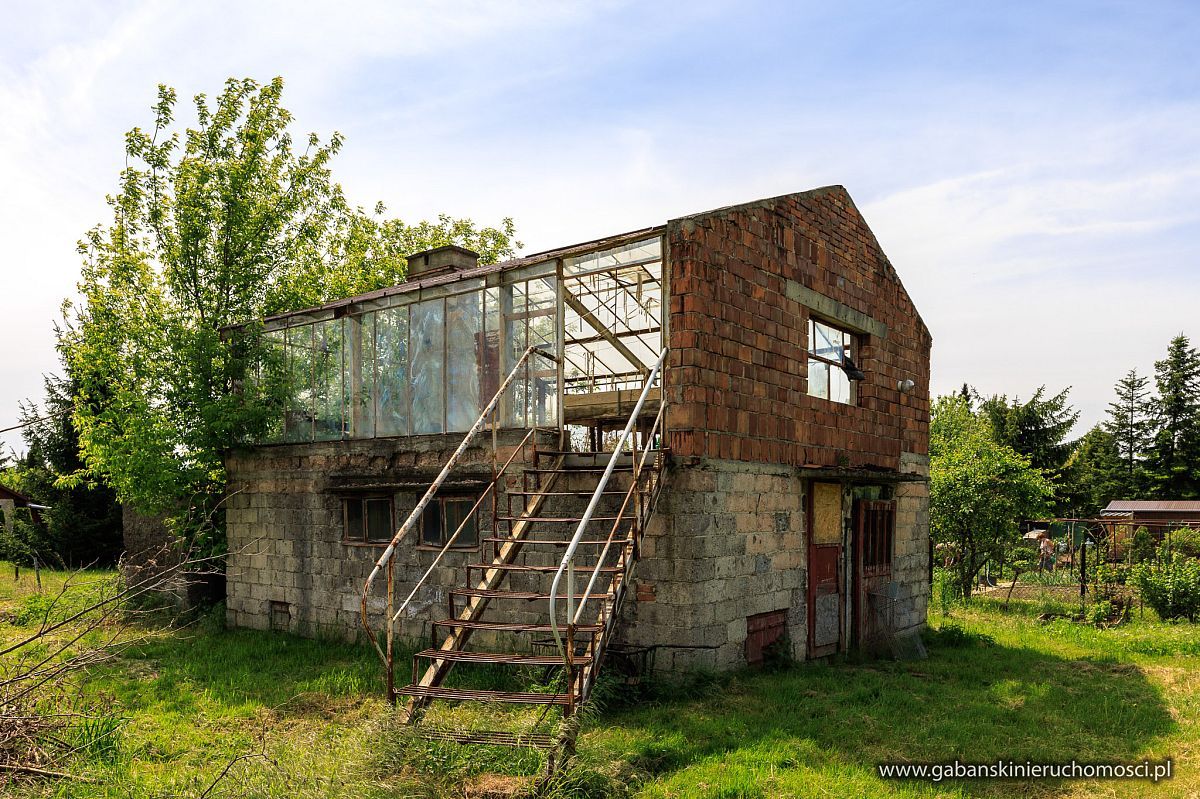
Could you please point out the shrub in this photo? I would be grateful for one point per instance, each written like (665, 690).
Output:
(1186, 541)
(1141, 548)
(1171, 587)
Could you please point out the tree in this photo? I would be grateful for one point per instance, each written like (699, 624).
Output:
(1037, 429)
(1095, 474)
(1130, 423)
(212, 228)
(83, 523)
(979, 490)
(1173, 458)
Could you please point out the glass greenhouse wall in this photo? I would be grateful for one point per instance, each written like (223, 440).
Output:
(420, 366)
(428, 360)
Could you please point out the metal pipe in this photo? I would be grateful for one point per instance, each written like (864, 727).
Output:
(569, 555)
(612, 532)
(450, 541)
(410, 522)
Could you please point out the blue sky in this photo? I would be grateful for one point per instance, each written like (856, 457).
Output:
(1032, 169)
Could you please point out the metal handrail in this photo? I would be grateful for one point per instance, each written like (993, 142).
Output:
(633, 487)
(450, 541)
(568, 560)
(385, 559)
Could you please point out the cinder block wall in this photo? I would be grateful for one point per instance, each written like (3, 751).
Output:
(727, 542)
(910, 565)
(284, 522)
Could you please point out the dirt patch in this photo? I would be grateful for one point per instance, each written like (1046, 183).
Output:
(496, 786)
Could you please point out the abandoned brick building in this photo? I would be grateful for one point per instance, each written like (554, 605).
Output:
(771, 374)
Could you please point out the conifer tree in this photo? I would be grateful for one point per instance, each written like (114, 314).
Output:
(1173, 458)
(1130, 422)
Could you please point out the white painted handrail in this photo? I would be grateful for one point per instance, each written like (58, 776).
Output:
(568, 560)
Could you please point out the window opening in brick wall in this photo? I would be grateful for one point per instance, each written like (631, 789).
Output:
(879, 525)
(832, 370)
(368, 520)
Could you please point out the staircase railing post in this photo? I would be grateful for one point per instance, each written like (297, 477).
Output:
(391, 624)
(567, 562)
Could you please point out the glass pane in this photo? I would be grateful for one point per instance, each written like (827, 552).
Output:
(360, 373)
(542, 373)
(272, 383)
(354, 519)
(489, 382)
(327, 379)
(464, 346)
(298, 416)
(828, 342)
(391, 375)
(456, 512)
(513, 309)
(626, 253)
(379, 520)
(839, 385)
(818, 378)
(431, 524)
(428, 336)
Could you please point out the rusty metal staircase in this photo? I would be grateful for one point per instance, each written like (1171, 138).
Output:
(574, 513)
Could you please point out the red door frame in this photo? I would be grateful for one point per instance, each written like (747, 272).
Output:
(880, 512)
(824, 580)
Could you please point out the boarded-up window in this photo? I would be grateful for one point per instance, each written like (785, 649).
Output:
(281, 615)
(827, 513)
(762, 630)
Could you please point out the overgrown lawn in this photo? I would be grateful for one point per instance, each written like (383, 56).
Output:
(283, 716)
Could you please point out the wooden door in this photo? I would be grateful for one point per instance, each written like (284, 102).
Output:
(874, 535)
(825, 600)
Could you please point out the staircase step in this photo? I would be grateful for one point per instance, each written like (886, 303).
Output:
(588, 542)
(581, 470)
(555, 519)
(506, 658)
(466, 694)
(510, 627)
(580, 494)
(532, 740)
(500, 594)
(522, 567)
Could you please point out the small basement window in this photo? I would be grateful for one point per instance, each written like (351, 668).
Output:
(368, 520)
(444, 515)
(832, 371)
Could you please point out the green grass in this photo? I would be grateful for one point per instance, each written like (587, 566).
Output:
(307, 717)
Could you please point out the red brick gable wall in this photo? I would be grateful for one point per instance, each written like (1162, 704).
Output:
(737, 381)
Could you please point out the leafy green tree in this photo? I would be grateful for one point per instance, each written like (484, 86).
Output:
(1094, 474)
(979, 490)
(214, 227)
(1130, 422)
(1173, 457)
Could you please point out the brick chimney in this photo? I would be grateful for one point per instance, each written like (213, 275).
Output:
(449, 258)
